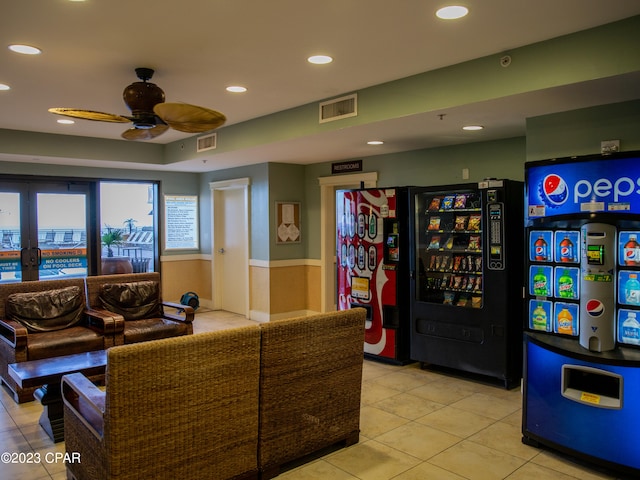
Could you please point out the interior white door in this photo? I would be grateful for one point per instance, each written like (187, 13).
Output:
(230, 250)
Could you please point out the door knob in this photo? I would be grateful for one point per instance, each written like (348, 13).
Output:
(221, 251)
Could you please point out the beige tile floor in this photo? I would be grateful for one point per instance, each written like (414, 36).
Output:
(415, 425)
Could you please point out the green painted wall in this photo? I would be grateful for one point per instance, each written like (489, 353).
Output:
(259, 207)
(286, 184)
(580, 132)
(436, 166)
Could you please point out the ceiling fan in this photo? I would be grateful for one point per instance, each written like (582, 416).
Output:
(150, 115)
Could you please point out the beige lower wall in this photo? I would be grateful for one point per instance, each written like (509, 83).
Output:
(313, 278)
(277, 290)
(273, 290)
(181, 276)
(287, 289)
(259, 290)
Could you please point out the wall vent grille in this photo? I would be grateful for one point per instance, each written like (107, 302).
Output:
(207, 142)
(339, 108)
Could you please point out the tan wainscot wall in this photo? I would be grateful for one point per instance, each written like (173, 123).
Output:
(186, 275)
(276, 291)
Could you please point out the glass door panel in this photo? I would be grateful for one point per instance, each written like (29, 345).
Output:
(62, 234)
(10, 246)
(44, 229)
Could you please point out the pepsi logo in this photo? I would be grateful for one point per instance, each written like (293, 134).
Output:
(554, 190)
(595, 308)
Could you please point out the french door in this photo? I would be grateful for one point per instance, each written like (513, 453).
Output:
(45, 230)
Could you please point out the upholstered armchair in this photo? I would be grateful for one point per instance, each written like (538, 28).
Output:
(179, 408)
(43, 319)
(137, 297)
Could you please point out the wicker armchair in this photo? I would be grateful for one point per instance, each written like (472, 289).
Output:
(137, 297)
(44, 319)
(180, 408)
(310, 386)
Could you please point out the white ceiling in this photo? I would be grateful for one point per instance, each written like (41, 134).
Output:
(198, 47)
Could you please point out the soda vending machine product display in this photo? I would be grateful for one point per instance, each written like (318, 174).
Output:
(373, 266)
(582, 335)
(466, 285)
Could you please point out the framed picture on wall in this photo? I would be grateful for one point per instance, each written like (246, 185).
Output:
(288, 222)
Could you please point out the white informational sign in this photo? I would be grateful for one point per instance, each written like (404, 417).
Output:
(181, 222)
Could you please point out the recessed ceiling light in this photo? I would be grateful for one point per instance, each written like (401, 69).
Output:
(320, 59)
(473, 127)
(25, 49)
(375, 142)
(4, 86)
(452, 12)
(236, 89)
(64, 121)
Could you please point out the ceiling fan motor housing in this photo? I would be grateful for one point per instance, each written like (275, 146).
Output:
(141, 97)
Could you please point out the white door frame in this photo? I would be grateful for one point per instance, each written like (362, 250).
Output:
(237, 183)
(328, 187)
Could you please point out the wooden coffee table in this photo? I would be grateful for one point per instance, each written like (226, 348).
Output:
(48, 372)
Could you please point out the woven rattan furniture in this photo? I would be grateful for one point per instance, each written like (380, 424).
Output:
(310, 386)
(32, 326)
(180, 408)
(146, 315)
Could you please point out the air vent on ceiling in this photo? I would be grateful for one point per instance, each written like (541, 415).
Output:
(207, 142)
(339, 108)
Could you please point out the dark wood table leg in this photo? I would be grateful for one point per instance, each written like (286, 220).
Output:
(52, 418)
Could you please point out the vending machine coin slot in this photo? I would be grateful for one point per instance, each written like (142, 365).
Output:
(496, 236)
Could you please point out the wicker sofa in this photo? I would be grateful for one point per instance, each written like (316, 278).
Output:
(44, 319)
(188, 410)
(227, 404)
(310, 386)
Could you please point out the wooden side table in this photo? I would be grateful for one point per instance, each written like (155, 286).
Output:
(48, 372)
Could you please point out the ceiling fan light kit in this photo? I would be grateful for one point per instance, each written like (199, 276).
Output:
(150, 115)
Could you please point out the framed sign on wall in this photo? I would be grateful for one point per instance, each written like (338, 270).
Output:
(181, 222)
(288, 222)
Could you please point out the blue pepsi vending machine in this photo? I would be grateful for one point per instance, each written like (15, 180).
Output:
(581, 376)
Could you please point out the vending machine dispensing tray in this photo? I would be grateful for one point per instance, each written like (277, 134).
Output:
(582, 403)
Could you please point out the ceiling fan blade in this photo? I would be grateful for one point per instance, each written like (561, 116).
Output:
(144, 133)
(90, 115)
(189, 118)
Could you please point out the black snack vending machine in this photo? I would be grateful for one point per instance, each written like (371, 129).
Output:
(467, 278)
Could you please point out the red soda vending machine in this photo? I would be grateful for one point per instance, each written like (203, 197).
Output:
(372, 266)
(581, 379)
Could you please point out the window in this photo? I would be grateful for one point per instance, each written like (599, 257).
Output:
(128, 228)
